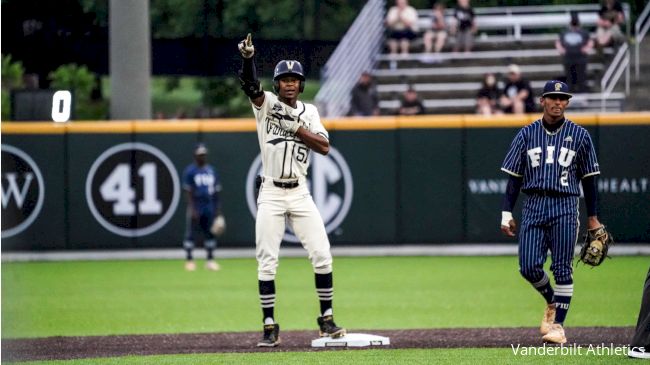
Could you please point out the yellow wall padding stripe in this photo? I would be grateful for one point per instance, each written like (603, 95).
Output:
(228, 125)
(340, 124)
(33, 128)
(99, 127)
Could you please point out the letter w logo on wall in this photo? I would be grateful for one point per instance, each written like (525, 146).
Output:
(13, 190)
(23, 191)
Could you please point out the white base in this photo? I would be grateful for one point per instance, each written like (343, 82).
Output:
(351, 340)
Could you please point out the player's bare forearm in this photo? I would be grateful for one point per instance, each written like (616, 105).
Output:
(190, 204)
(217, 205)
(593, 222)
(314, 141)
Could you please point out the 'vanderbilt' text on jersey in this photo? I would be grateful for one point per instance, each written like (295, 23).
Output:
(552, 161)
(284, 156)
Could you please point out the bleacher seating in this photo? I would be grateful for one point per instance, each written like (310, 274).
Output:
(448, 82)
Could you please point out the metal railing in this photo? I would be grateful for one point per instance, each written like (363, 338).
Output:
(620, 64)
(355, 53)
(640, 29)
(508, 14)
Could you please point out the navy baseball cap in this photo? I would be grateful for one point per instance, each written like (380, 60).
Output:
(555, 87)
(200, 149)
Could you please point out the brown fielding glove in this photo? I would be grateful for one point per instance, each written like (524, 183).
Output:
(218, 225)
(594, 250)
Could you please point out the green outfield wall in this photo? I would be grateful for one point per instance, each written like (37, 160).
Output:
(387, 180)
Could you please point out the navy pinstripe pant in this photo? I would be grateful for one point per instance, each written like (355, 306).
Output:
(548, 223)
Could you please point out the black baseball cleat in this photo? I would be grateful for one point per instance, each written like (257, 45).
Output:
(639, 352)
(328, 328)
(271, 336)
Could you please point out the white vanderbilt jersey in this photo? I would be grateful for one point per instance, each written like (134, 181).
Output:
(284, 156)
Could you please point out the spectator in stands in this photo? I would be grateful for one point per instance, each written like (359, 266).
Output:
(488, 96)
(610, 18)
(402, 25)
(365, 101)
(517, 97)
(438, 30)
(465, 26)
(574, 44)
(411, 104)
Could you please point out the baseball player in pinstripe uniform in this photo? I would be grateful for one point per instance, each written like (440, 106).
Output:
(287, 130)
(548, 160)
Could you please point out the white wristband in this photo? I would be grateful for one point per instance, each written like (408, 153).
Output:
(506, 217)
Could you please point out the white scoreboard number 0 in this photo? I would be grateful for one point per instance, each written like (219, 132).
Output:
(61, 106)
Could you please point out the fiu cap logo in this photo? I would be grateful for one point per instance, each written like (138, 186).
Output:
(558, 86)
(290, 65)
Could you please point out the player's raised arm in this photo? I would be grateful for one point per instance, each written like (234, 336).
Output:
(248, 75)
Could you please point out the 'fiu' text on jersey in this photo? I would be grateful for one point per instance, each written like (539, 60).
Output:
(203, 182)
(552, 161)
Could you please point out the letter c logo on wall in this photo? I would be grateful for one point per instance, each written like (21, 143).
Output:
(132, 189)
(23, 191)
(330, 184)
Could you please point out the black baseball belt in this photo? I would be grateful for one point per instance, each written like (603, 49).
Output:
(285, 184)
(540, 192)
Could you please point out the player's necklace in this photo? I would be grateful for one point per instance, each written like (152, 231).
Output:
(553, 129)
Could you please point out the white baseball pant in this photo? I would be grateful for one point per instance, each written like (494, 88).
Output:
(274, 204)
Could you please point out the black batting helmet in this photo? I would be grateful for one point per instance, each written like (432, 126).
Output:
(288, 68)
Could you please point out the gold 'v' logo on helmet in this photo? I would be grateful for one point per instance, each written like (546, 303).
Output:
(290, 65)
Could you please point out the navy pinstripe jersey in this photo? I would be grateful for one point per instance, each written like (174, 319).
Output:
(552, 161)
(203, 182)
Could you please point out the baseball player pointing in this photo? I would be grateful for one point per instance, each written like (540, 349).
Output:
(548, 160)
(287, 131)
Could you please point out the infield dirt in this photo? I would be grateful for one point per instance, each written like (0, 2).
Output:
(64, 348)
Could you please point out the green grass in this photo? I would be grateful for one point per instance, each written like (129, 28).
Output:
(354, 357)
(138, 297)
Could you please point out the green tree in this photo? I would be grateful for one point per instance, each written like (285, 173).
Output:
(12, 78)
(12, 73)
(81, 82)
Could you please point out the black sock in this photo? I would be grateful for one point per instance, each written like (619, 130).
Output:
(562, 299)
(544, 287)
(325, 291)
(209, 250)
(188, 254)
(267, 298)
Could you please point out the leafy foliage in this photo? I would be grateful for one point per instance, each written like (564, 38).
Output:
(12, 73)
(222, 97)
(12, 78)
(81, 82)
(73, 77)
